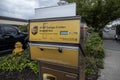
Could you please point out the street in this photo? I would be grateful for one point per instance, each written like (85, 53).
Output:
(111, 69)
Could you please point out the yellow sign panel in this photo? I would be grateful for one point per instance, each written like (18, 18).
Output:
(66, 31)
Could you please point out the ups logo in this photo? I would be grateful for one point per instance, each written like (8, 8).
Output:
(44, 25)
(34, 30)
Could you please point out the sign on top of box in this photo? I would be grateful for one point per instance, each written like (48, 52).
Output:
(56, 11)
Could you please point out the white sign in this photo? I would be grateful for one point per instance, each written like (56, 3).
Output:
(56, 11)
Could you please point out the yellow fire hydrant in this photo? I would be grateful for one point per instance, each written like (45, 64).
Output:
(18, 48)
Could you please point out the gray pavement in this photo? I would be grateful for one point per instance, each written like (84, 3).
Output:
(111, 69)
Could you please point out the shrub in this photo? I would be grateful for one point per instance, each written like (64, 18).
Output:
(91, 29)
(94, 46)
(99, 52)
(100, 63)
(90, 71)
(18, 62)
(94, 52)
(23, 28)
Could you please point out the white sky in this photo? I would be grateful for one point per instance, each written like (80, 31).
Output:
(23, 8)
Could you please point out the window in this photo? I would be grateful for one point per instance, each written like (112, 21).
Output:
(10, 30)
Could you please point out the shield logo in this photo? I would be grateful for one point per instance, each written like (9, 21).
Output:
(34, 30)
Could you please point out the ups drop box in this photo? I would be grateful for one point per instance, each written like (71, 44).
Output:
(57, 39)
(61, 42)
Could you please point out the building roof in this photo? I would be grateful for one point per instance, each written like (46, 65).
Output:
(13, 21)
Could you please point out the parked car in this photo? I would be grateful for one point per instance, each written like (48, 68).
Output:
(117, 35)
(9, 35)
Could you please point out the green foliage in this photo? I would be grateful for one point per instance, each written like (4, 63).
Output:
(94, 47)
(90, 66)
(99, 52)
(91, 29)
(23, 28)
(100, 63)
(94, 52)
(98, 13)
(17, 62)
(90, 71)
(90, 61)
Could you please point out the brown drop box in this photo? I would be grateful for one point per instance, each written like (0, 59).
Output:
(53, 74)
(49, 71)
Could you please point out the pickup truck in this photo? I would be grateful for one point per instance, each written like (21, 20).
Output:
(9, 35)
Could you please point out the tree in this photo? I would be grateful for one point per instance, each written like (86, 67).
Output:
(98, 13)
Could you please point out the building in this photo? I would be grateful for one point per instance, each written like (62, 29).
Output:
(12, 21)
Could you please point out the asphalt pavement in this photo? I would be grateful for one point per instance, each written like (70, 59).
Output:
(111, 69)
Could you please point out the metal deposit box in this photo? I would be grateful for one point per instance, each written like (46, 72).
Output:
(58, 41)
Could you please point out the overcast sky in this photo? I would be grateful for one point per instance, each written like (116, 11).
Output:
(23, 8)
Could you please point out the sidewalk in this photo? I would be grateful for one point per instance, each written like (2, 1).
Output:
(111, 69)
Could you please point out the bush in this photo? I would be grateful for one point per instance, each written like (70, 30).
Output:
(94, 52)
(90, 66)
(90, 71)
(17, 62)
(26, 74)
(91, 30)
(23, 28)
(99, 52)
(100, 63)
(90, 61)
(94, 46)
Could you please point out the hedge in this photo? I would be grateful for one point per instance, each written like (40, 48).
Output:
(95, 53)
(12, 62)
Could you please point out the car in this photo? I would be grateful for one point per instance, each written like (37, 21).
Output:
(117, 35)
(9, 35)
